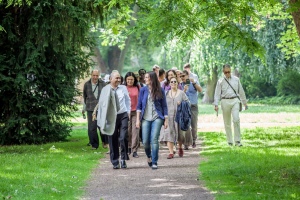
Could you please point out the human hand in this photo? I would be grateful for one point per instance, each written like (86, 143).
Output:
(138, 124)
(192, 80)
(94, 117)
(186, 87)
(216, 108)
(166, 123)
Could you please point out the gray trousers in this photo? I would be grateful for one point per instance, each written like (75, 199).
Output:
(230, 107)
(191, 134)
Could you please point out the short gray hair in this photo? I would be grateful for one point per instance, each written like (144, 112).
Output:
(226, 66)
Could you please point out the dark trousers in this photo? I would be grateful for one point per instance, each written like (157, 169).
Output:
(104, 138)
(92, 130)
(120, 136)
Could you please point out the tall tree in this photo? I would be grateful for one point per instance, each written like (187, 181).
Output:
(42, 53)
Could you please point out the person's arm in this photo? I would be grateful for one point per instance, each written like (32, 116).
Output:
(139, 109)
(94, 112)
(242, 95)
(84, 100)
(165, 110)
(196, 85)
(217, 95)
(138, 121)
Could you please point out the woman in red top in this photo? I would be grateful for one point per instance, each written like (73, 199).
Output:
(133, 88)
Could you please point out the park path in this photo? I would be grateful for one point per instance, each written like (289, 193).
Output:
(176, 178)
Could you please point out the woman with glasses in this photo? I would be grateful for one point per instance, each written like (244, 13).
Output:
(166, 85)
(152, 113)
(174, 98)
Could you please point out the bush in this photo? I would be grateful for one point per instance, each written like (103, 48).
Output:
(289, 84)
(41, 55)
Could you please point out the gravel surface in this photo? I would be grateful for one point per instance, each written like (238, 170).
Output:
(176, 178)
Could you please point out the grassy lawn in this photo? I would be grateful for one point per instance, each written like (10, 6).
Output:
(50, 171)
(254, 108)
(266, 167)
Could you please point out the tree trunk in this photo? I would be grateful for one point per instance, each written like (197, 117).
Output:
(113, 56)
(99, 60)
(296, 14)
(127, 42)
(211, 86)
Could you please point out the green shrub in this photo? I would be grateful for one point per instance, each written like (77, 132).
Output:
(42, 53)
(289, 84)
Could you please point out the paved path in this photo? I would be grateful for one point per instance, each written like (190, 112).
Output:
(176, 178)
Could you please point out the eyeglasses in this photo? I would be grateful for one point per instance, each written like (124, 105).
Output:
(228, 72)
(173, 81)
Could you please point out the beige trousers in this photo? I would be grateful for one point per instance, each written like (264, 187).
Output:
(133, 133)
(230, 107)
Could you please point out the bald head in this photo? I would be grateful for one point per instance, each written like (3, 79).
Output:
(115, 79)
(95, 76)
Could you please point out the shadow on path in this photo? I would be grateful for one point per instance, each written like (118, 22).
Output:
(174, 179)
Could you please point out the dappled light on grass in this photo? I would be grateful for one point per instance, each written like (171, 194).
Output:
(51, 171)
(266, 167)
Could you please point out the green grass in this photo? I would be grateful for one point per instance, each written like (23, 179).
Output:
(50, 171)
(266, 167)
(254, 108)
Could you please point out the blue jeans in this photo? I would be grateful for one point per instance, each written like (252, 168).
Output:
(151, 131)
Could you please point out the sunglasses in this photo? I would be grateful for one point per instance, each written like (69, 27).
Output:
(182, 76)
(173, 82)
(228, 72)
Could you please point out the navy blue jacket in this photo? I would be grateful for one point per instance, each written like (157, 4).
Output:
(159, 104)
(184, 115)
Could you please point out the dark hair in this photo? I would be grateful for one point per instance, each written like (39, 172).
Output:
(161, 72)
(142, 71)
(185, 72)
(156, 92)
(135, 82)
(187, 65)
(167, 76)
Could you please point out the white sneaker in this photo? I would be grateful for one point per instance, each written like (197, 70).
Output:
(154, 166)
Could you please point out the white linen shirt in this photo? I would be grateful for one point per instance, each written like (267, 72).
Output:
(124, 99)
(223, 90)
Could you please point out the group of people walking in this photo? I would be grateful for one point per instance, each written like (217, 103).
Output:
(157, 107)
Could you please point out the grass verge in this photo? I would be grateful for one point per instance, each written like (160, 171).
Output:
(50, 171)
(254, 108)
(266, 167)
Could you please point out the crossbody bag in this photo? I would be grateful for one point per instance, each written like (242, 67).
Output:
(241, 105)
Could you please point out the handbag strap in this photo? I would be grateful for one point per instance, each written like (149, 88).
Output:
(232, 88)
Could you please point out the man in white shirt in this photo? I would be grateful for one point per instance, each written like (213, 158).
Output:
(230, 91)
(120, 135)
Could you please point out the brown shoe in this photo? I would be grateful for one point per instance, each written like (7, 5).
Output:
(170, 156)
(180, 153)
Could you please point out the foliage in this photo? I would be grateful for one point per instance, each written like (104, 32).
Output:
(278, 100)
(41, 55)
(266, 167)
(50, 171)
(258, 87)
(289, 83)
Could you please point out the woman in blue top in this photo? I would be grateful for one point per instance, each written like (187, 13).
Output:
(152, 111)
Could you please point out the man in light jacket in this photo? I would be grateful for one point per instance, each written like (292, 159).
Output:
(114, 109)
